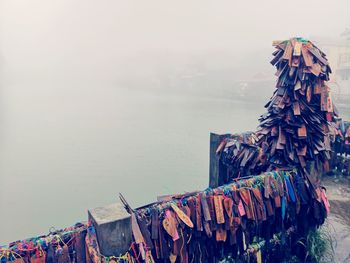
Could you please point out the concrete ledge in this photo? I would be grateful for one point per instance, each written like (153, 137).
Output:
(113, 228)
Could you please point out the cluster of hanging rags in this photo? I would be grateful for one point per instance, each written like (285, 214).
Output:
(240, 220)
(294, 133)
(69, 245)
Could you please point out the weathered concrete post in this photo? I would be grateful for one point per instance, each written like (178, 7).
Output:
(113, 228)
(215, 170)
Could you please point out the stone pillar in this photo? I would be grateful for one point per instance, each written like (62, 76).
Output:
(113, 228)
(217, 173)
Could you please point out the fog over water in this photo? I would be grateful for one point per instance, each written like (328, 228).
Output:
(102, 97)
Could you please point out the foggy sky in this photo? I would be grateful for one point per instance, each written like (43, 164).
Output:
(54, 41)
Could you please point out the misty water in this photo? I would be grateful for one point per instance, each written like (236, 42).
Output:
(64, 152)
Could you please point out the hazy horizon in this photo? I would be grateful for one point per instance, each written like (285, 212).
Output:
(84, 41)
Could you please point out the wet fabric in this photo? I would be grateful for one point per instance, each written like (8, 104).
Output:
(219, 228)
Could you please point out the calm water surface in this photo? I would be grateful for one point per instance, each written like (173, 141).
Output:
(64, 152)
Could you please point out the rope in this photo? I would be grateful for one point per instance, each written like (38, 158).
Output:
(31, 245)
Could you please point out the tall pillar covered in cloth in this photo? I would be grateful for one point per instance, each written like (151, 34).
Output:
(294, 132)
